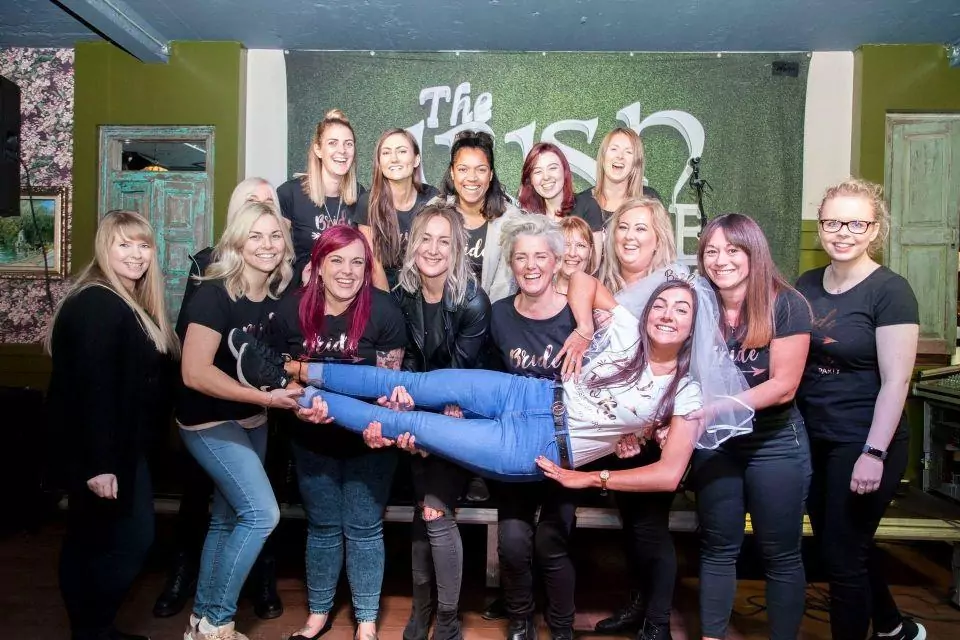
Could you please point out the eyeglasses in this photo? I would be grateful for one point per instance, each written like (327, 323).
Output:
(853, 226)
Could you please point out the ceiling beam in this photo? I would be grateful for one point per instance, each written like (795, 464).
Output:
(123, 26)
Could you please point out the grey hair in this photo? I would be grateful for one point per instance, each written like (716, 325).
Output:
(535, 225)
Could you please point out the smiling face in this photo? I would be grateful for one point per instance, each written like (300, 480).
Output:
(263, 248)
(472, 174)
(534, 265)
(577, 255)
(634, 240)
(342, 272)
(398, 160)
(843, 246)
(336, 149)
(130, 258)
(619, 158)
(433, 252)
(670, 320)
(726, 264)
(547, 176)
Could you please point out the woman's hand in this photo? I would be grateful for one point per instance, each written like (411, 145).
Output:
(104, 485)
(568, 478)
(283, 398)
(572, 352)
(399, 400)
(407, 442)
(628, 446)
(373, 436)
(661, 434)
(453, 411)
(867, 473)
(316, 413)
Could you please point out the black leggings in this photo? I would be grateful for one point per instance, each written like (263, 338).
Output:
(844, 524)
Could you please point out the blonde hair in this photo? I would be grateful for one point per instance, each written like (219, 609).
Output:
(459, 274)
(146, 300)
(572, 225)
(635, 179)
(312, 182)
(243, 193)
(873, 194)
(228, 263)
(665, 253)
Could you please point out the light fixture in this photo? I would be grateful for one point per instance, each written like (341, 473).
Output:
(154, 167)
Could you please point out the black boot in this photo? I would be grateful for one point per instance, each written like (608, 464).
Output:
(448, 625)
(181, 584)
(561, 633)
(652, 631)
(266, 602)
(628, 619)
(522, 629)
(496, 610)
(421, 611)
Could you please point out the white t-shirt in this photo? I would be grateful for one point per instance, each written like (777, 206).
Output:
(598, 417)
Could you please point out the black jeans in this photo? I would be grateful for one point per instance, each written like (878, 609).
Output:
(844, 524)
(437, 550)
(103, 551)
(522, 537)
(766, 473)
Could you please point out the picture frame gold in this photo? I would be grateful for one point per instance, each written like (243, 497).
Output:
(20, 253)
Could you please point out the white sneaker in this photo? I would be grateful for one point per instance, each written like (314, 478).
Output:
(206, 631)
(191, 631)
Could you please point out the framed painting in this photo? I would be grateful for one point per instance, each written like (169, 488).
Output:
(37, 239)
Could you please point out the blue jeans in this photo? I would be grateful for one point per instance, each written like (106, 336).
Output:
(508, 419)
(244, 513)
(767, 473)
(345, 499)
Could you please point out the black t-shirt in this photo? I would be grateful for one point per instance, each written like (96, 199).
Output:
(404, 218)
(476, 245)
(585, 206)
(791, 317)
(431, 318)
(838, 393)
(385, 331)
(528, 347)
(211, 307)
(307, 220)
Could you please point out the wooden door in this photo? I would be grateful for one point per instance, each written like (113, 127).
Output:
(174, 194)
(922, 184)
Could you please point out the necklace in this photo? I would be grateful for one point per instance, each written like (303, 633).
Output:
(836, 288)
(327, 210)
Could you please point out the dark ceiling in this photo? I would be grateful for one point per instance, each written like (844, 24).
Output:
(512, 25)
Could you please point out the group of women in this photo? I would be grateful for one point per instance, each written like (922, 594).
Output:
(484, 316)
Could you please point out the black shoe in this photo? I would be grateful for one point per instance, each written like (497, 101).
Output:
(257, 367)
(652, 631)
(421, 612)
(909, 630)
(522, 629)
(266, 602)
(564, 633)
(327, 625)
(496, 610)
(626, 620)
(448, 626)
(477, 490)
(181, 584)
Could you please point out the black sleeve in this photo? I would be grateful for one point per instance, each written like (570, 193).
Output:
(210, 307)
(792, 314)
(650, 192)
(188, 291)
(360, 214)
(391, 325)
(491, 358)
(896, 303)
(286, 335)
(586, 207)
(472, 332)
(285, 196)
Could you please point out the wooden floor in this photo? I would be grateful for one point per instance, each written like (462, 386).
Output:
(30, 607)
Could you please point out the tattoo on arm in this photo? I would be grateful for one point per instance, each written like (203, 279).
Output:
(390, 359)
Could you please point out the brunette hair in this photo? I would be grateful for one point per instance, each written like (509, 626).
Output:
(572, 225)
(494, 203)
(872, 193)
(635, 179)
(665, 253)
(629, 373)
(313, 300)
(530, 200)
(312, 182)
(381, 214)
(764, 282)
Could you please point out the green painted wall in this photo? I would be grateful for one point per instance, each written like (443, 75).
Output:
(202, 84)
(891, 78)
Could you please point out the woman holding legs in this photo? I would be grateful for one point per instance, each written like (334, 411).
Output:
(339, 316)
(766, 473)
(112, 322)
(852, 394)
(385, 213)
(224, 423)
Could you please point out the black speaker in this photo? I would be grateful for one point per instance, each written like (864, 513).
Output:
(9, 148)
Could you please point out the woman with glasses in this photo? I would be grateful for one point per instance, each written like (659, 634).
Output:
(866, 326)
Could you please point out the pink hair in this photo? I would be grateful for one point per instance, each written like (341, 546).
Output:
(530, 200)
(312, 316)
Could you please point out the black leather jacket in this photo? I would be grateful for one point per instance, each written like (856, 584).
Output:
(461, 336)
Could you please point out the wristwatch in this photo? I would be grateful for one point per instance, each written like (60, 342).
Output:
(876, 453)
(604, 476)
